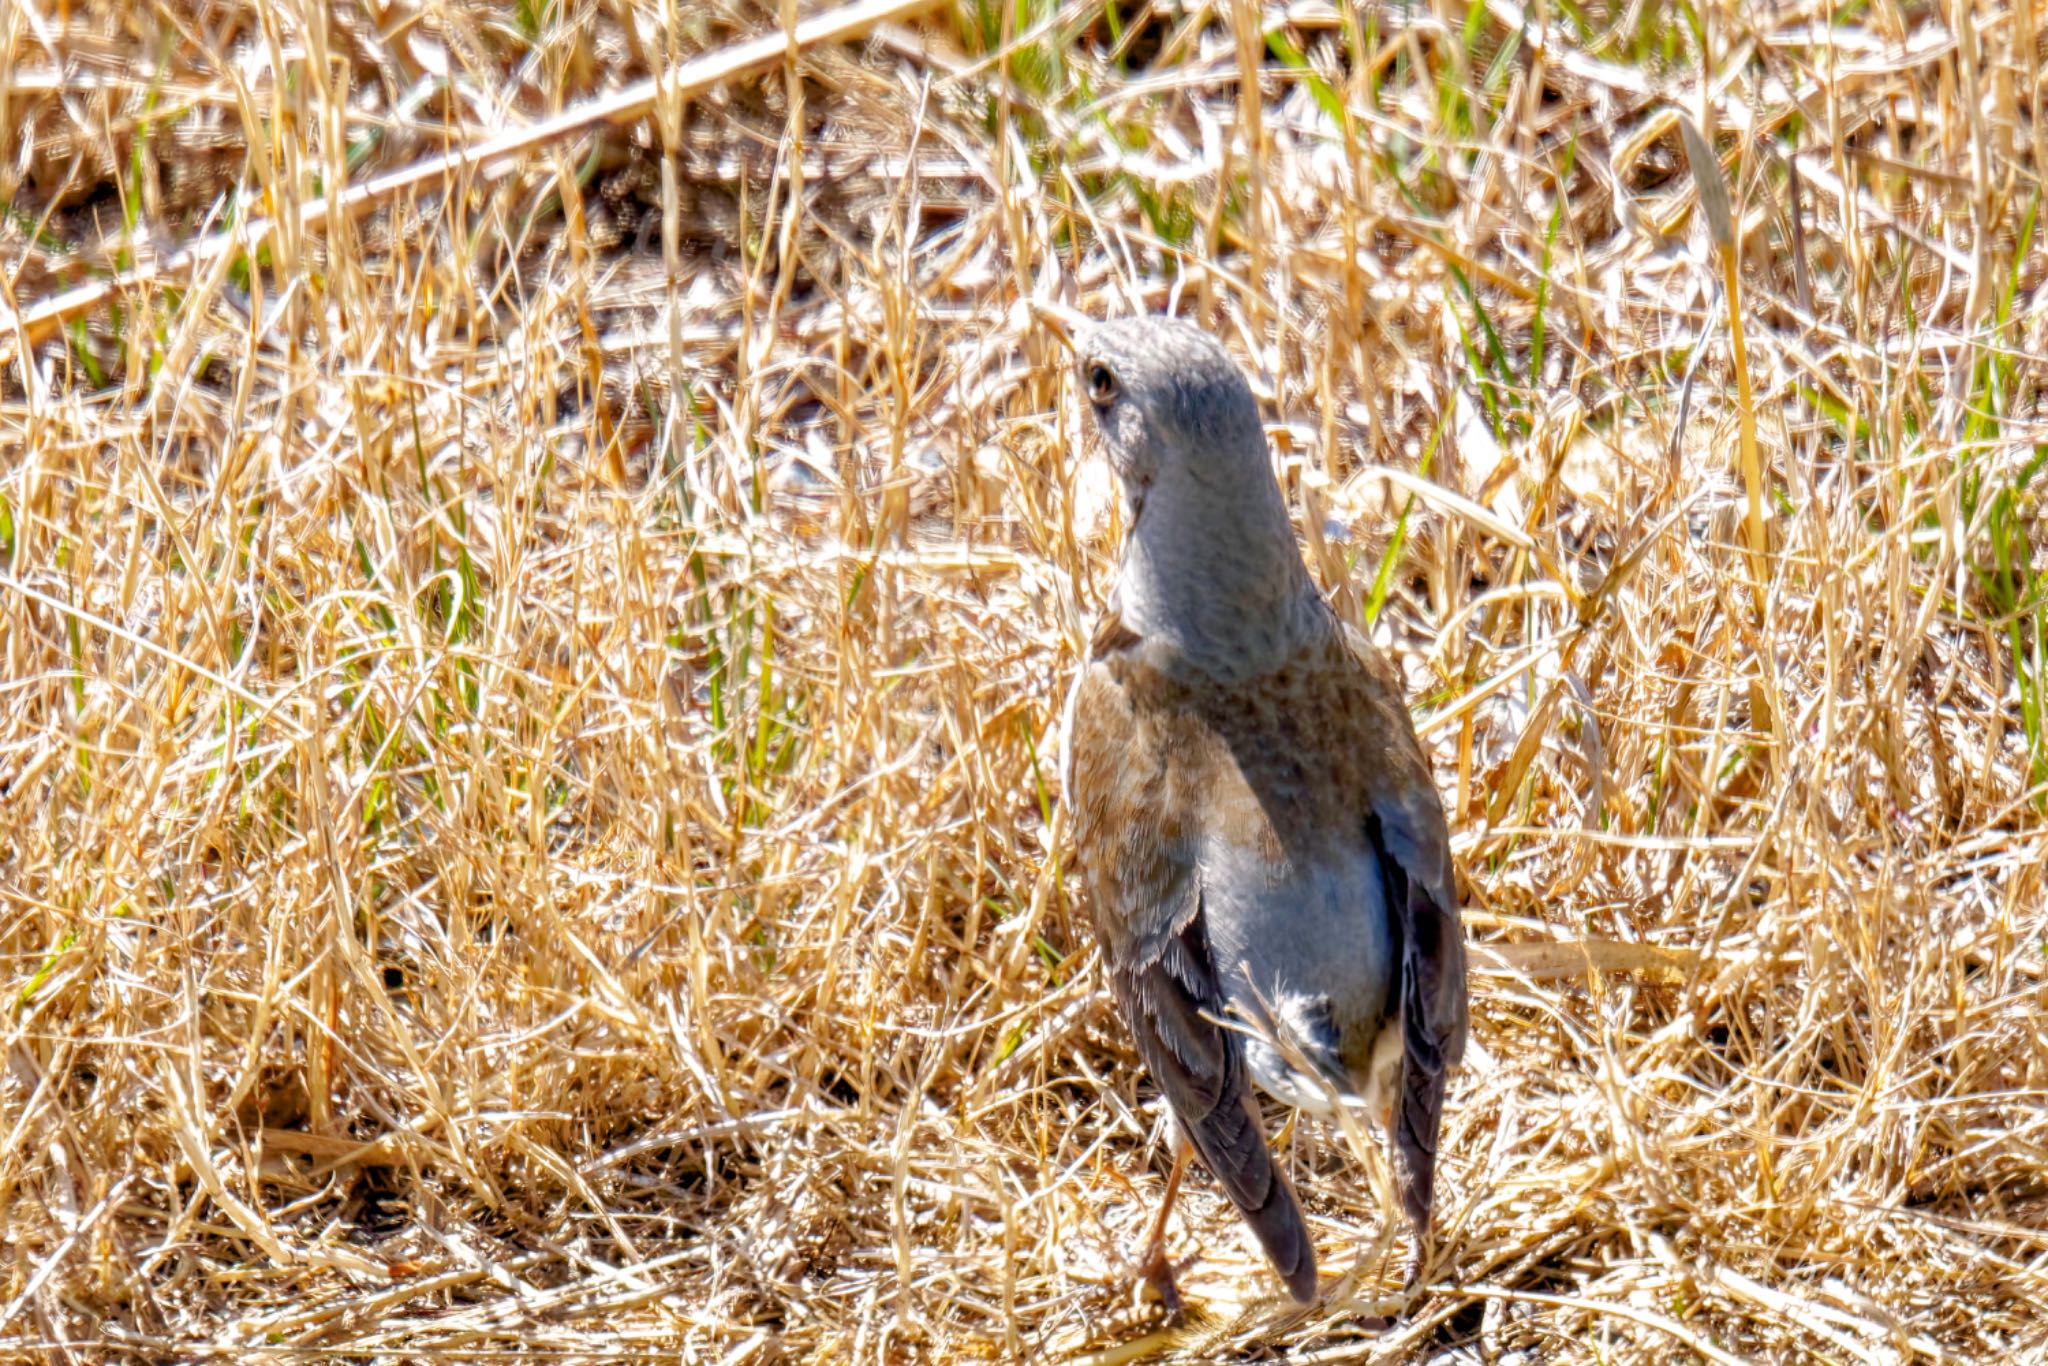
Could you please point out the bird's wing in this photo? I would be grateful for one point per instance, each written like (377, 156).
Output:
(1405, 822)
(1133, 785)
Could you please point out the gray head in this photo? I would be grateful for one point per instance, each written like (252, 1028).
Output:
(1209, 558)
(1169, 402)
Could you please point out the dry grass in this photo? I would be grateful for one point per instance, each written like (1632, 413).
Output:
(528, 805)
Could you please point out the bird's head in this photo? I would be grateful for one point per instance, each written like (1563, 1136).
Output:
(1171, 406)
(1209, 562)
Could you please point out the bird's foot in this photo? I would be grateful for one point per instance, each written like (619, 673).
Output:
(1412, 1283)
(1155, 1273)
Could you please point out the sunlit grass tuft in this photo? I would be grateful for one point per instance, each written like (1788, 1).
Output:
(529, 758)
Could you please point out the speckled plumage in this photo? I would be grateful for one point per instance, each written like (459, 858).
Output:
(1255, 822)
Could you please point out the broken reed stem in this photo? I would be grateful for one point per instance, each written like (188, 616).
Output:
(1713, 193)
(491, 157)
(1745, 404)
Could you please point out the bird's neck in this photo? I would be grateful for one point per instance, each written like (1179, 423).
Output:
(1213, 573)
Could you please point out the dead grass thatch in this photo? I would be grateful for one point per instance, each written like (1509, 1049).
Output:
(529, 818)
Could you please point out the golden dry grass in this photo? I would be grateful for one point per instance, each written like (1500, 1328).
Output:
(529, 818)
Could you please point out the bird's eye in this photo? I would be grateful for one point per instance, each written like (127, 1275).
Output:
(1102, 386)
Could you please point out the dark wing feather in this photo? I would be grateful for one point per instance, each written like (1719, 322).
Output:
(1126, 781)
(1433, 1019)
(1409, 835)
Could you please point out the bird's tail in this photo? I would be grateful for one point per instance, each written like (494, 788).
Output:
(1233, 1146)
(1283, 1233)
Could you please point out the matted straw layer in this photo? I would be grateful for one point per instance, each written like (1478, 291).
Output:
(529, 808)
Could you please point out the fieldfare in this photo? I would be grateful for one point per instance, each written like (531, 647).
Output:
(1261, 845)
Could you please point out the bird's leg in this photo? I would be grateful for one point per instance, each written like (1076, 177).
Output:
(1391, 1199)
(1154, 1265)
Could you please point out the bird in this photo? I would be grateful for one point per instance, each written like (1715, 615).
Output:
(1261, 845)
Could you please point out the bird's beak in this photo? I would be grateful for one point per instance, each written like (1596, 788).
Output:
(1062, 322)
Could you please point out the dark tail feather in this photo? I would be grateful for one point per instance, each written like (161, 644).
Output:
(1281, 1231)
(1233, 1146)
